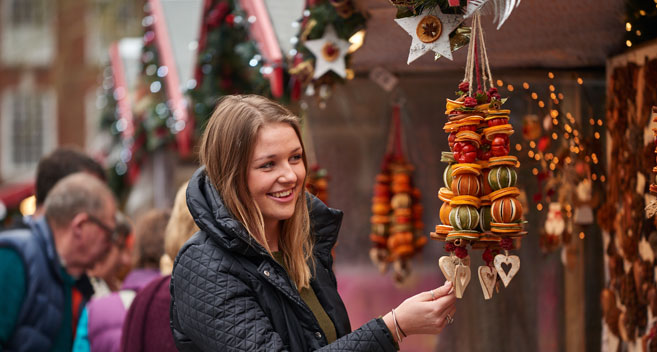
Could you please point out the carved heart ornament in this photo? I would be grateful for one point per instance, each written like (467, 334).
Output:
(462, 276)
(487, 279)
(513, 261)
(447, 265)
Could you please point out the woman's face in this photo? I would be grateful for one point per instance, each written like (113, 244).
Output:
(276, 172)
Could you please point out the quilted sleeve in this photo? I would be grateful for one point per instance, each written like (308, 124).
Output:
(373, 336)
(216, 310)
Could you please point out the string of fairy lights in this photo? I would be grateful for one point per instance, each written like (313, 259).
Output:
(565, 126)
(638, 16)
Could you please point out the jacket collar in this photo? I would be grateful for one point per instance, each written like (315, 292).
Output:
(212, 216)
(44, 236)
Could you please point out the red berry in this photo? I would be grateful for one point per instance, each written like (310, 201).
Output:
(468, 148)
(487, 256)
(470, 102)
(461, 252)
(506, 243)
(498, 141)
(496, 122)
(499, 151)
(469, 158)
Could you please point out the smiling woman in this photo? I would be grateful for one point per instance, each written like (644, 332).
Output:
(259, 273)
(276, 176)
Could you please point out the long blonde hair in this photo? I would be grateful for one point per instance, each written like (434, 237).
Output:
(226, 150)
(180, 228)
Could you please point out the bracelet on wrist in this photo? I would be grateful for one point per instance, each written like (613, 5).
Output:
(397, 328)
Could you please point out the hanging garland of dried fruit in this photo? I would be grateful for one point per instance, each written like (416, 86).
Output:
(652, 207)
(480, 208)
(397, 228)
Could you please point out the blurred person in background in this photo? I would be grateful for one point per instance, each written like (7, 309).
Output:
(100, 325)
(146, 327)
(38, 266)
(106, 277)
(51, 168)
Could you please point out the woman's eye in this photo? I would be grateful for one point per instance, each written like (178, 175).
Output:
(267, 165)
(296, 157)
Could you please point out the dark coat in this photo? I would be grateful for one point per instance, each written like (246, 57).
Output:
(42, 313)
(229, 294)
(146, 327)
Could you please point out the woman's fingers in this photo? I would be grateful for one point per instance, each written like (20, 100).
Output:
(443, 290)
(446, 301)
(436, 293)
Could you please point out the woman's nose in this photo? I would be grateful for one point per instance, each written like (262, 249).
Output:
(287, 174)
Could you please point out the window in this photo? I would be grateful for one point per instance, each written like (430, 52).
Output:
(27, 13)
(28, 130)
(27, 31)
(108, 21)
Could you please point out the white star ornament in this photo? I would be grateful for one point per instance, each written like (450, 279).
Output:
(430, 31)
(330, 52)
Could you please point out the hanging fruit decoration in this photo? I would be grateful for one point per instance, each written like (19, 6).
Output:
(397, 227)
(651, 209)
(317, 183)
(480, 198)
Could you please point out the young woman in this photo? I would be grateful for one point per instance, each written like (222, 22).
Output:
(259, 274)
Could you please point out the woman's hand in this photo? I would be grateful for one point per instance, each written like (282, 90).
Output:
(424, 313)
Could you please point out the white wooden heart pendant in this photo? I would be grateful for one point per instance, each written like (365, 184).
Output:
(462, 276)
(447, 265)
(487, 279)
(513, 261)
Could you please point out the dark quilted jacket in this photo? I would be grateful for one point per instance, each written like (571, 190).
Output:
(228, 294)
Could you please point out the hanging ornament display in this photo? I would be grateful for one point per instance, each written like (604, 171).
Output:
(430, 31)
(330, 31)
(436, 25)
(396, 223)
(480, 207)
(330, 53)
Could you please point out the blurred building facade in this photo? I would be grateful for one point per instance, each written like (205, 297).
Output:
(51, 57)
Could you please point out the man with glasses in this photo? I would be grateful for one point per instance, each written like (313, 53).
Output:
(40, 264)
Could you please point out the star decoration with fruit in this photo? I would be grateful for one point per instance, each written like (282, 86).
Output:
(330, 52)
(430, 31)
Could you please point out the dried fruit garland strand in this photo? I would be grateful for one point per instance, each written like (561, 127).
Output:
(397, 227)
(484, 213)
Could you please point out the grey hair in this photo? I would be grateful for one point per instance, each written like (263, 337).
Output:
(77, 193)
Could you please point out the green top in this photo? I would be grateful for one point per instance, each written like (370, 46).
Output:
(310, 298)
(12, 284)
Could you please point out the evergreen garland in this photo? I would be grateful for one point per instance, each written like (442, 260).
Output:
(346, 20)
(110, 123)
(414, 7)
(229, 62)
